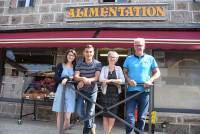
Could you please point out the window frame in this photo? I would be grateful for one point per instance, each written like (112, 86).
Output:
(28, 3)
(115, 1)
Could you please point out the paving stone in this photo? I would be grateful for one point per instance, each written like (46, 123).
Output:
(177, 129)
(10, 126)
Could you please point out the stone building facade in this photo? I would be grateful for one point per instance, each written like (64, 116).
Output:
(50, 15)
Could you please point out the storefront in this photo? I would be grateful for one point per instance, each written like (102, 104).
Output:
(35, 36)
(30, 54)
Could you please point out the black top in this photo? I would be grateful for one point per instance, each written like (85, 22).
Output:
(58, 72)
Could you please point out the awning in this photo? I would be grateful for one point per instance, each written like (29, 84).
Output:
(158, 39)
(103, 38)
(44, 39)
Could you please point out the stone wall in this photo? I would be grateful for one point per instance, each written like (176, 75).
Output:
(12, 87)
(178, 123)
(47, 13)
(10, 109)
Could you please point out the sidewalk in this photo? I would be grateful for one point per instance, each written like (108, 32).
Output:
(10, 126)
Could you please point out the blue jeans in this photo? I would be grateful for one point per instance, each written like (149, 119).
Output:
(142, 103)
(86, 109)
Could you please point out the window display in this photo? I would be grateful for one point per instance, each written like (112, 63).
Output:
(33, 68)
(179, 85)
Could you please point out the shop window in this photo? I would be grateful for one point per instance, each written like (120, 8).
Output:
(21, 3)
(80, 1)
(25, 3)
(119, 1)
(108, 0)
(178, 87)
(160, 58)
(29, 70)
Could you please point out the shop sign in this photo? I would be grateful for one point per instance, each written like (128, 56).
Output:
(120, 12)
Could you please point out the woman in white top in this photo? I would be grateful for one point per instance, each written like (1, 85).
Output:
(111, 77)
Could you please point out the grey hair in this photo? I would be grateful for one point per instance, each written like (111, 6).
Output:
(114, 53)
(140, 41)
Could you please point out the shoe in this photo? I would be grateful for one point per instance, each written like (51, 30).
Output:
(70, 127)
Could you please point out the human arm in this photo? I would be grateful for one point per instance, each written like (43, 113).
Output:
(103, 75)
(58, 72)
(125, 70)
(77, 74)
(155, 75)
(95, 78)
(79, 79)
(130, 81)
(120, 76)
(98, 68)
(86, 80)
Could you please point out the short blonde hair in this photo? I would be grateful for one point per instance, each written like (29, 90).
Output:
(140, 41)
(114, 54)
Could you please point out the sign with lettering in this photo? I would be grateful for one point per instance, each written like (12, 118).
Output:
(120, 12)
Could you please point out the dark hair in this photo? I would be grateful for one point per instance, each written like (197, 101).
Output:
(88, 46)
(74, 53)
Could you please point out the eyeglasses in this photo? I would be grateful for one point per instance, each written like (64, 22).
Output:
(112, 57)
(71, 55)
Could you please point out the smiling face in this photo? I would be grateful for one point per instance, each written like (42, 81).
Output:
(139, 46)
(88, 53)
(70, 57)
(112, 57)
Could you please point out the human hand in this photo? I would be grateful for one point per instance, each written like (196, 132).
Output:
(111, 80)
(64, 81)
(104, 83)
(71, 78)
(86, 81)
(108, 81)
(132, 83)
(148, 83)
(80, 85)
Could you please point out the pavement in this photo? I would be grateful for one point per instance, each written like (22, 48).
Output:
(28, 126)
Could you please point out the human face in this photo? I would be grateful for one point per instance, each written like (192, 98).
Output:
(88, 54)
(70, 57)
(112, 59)
(139, 48)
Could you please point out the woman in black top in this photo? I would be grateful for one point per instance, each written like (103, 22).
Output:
(111, 77)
